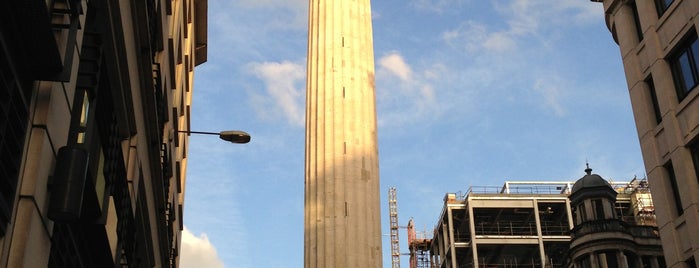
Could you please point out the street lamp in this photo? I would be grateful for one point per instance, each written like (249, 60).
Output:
(234, 136)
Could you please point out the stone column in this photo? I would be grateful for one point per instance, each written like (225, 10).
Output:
(625, 25)
(342, 199)
(622, 259)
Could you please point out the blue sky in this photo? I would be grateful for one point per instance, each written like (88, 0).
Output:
(469, 93)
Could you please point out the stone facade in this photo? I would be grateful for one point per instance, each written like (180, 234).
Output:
(93, 95)
(660, 52)
(613, 227)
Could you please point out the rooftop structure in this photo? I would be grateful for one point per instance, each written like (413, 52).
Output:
(521, 224)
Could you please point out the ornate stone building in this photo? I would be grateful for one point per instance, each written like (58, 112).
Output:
(94, 94)
(613, 227)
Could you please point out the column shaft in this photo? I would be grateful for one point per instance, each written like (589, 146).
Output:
(342, 200)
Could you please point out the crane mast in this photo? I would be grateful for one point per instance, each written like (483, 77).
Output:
(393, 214)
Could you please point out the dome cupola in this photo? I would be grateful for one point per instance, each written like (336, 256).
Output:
(591, 186)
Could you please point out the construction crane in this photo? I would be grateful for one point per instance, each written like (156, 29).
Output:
(393, 215)
(418, 242)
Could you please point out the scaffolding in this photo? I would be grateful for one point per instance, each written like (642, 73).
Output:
(419, 246)
(393, 214)
(640, 209)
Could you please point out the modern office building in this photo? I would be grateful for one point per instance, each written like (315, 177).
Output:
(533, 224)
(342, 211)
(521, 224)
(660, 52)
(92, 163)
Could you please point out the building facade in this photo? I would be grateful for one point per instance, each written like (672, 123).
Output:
(522, 224)
(342, 210)
(613, 227)
(660, 52)
(94, 96)
(536, 224)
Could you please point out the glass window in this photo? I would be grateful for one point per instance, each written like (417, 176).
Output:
(691, 262)
(661, 262)
(686, 70)
(598, 209)
(662, 6)
(584, 262)
(637, 21)
(654, 100)
(684, 66)
(611, 259)
(646, 262)
(674, 188)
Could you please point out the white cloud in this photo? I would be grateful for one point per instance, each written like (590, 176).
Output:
(474, 37)
(523, 18)
(284, 83)
(410, 98)
(437, 6)
(529, 16)
(428, 96)
(499, 42)
(288, 14)
(551, 92)
(271, 3)
(197, 251)
(395, 65)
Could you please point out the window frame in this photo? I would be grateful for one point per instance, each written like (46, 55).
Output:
(662, 6)
(598, 208)
(691, 262)
(654, 99)
(687, 49)
(637, 21)
(674, 188)
(582, 213)
(694, 151)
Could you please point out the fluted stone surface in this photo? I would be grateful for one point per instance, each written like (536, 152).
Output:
(342, 205)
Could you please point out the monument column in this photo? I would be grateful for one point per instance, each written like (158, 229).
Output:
(342, 218)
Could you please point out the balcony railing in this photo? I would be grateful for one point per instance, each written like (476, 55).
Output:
(521, 229)
(601, 226)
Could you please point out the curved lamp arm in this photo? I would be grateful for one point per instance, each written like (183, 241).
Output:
(233, 136)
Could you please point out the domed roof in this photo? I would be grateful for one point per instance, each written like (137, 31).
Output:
(590, 181)
(590, 186)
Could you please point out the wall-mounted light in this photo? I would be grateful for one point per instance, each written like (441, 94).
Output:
(233, 136)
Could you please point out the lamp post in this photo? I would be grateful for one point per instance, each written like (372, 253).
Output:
(233, 136)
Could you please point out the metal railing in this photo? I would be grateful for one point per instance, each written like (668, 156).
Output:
(600, 226)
